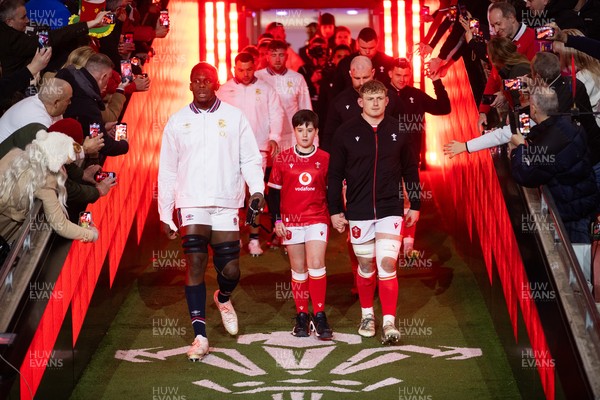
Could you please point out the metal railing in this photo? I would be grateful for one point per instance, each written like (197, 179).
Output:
(572, 291)
(20, 265)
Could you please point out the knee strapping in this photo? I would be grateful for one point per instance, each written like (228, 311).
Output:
(364, 250)
(224, 253)
(386, 248)
(194, 244)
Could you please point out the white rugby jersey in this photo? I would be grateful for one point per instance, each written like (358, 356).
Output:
(260, 104)
(293, 92)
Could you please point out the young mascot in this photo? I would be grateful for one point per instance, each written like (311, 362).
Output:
(298, 200)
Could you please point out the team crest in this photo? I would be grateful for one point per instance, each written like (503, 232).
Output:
(235, 220)
(291, 165)
(356, 232)
(317, 165)
(222, 123)
(290, 84)
(258, 92)
(288, 234)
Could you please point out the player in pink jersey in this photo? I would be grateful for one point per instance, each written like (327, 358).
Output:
(298, 201)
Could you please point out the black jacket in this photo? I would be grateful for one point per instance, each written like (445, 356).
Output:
(373, 165)
(563, 88)
(409, 105)
(590, 13)
(382, 63)
(18, 48)
(342, 108)
(557, 157)
(559, 11)
(86, 107)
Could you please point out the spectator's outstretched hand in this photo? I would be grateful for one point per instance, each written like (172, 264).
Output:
(559, 35)
(454, 148)
(92, 145)
(142, 84)
(424, 50)
(98, 21)
(105, 185)
(160, 30)
(40, 60)
(90, 172)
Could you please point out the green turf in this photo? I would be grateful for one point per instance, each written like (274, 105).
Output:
(440, 305)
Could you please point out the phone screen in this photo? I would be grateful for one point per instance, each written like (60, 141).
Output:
(85, 219)
(94, 130)
(164, 18)
(513, 84)
(43, 39)
(121, 131)
(544, 32)
(524, 124)
(126, 71)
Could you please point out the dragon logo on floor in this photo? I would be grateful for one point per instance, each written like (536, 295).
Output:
(297, 358)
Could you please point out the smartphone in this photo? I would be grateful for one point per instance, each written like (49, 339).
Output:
(135, 61)
(128, 38)
(94, 130)
(452, 12)
(424, 11)
(543, 45)
(488, 99)
(544, 32)
(426, 69)
(121, 131)
(524, 124)
(513, 84)
(101, 175)
(85, 219)
(43, 39)
(474, 23)
(108, 19)
(126, 71)
(164, 18)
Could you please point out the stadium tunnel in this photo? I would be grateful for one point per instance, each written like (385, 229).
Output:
(475, 196)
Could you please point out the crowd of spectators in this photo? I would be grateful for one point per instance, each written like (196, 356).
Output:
(64, 86)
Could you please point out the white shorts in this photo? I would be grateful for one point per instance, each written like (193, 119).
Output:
(364, 231)
(219, 218)
(303, 234)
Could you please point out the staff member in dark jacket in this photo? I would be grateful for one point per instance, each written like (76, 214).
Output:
(18, 48)
(556, 155)
(367, 46)
(409, 105)
(373, 156)
(86, 104)
(345, 105)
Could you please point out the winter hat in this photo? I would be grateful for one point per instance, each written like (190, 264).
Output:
(57, 147)
(70, 127)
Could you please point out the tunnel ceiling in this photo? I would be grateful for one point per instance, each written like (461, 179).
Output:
(308, 4)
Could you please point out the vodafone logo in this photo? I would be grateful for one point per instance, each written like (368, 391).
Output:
(305, 179)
